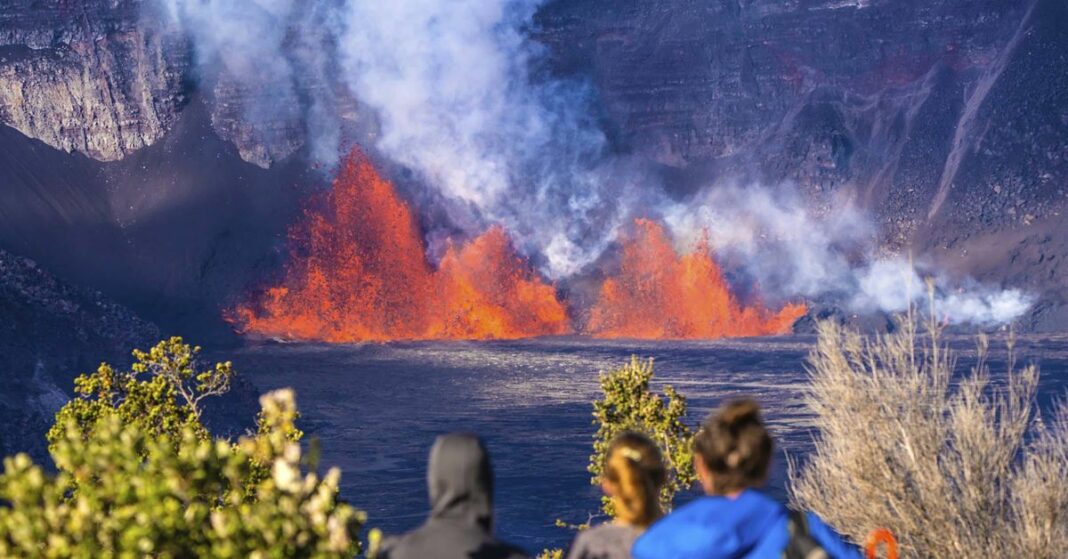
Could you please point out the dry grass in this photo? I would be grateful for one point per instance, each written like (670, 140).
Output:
(954, 471)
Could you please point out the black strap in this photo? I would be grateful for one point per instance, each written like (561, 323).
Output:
(802, 545)
(798, 522)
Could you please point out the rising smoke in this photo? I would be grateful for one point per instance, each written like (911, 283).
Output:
(457, 102)
(773, 237)
(276, 53)
(452, 86)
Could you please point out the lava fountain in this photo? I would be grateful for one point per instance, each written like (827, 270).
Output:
(659, 293)
(358, 272)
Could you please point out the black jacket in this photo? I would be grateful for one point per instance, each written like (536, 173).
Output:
(461, 507)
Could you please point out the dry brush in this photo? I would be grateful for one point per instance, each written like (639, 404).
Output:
(955, 466)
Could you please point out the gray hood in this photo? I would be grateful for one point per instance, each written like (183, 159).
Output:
(461, 481)
(461, 507)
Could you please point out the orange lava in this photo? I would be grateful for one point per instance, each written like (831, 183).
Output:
(659, 294)
(358, 272)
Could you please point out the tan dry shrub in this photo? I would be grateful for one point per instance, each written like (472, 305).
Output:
(963, 470)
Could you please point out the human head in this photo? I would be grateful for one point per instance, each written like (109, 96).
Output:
(732, 450)
(633, 475)
(460, 480)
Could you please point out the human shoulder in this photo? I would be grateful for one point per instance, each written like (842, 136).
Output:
(715, 526)
(747, 503)
(776, 538)
(603, 541)
(690, 531)
(610, 529)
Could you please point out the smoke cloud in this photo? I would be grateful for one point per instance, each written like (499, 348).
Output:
(452, 86)
(457, 102)
(773, 237)
(276, 55)
(892, 285)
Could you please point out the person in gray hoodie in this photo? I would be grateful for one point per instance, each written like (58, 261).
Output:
(460, 526)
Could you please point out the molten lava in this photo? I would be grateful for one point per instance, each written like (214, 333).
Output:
(358, 272)
(660, 294)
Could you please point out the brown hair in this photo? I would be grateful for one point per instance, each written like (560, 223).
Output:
(633, 463)
(735, 446)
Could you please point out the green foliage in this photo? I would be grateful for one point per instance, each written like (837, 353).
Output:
(161, 393)
(126, 490)
(139, 474)
(630, 404)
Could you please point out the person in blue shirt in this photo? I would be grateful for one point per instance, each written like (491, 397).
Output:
(732, 453)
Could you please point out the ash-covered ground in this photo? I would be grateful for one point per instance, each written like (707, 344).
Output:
(377, 408)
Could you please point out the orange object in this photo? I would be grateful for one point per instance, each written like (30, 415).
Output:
(881, 535)
(660, 293)
(358, 271)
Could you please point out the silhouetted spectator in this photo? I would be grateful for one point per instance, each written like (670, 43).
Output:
(461, 507)
(732, 452)
(633, 475)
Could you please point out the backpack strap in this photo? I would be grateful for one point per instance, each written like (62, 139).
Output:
(798, 522)
(801, 544)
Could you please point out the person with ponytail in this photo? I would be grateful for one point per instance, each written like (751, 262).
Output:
(633, 475)
(732, 455)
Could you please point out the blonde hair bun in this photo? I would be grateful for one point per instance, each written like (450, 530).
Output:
(633, 464)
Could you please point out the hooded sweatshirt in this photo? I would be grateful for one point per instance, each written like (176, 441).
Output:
(461, 507)
(750, 526)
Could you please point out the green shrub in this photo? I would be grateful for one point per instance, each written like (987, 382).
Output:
(161, 393)
(628, 403)
(125, 492)
(139, 475)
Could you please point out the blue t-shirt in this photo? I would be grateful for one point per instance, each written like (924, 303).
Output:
(750, 526)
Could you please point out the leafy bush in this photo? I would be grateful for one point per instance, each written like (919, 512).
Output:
(960, 471)
(630, 404)
(161, 393)
(140, 476)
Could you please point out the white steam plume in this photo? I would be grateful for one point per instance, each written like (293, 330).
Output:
(457, 103)
(772, 235)
(452, 87)
(275, 52)
(893, 284)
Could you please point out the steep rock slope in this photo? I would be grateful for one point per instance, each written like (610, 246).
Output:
(1001, 209)
(945, 120)
(92, 76)
(50, 332)
(175, 231)
(53, 331)
(106, 78)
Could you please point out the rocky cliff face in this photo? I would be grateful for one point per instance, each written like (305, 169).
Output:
(108, 77)
(93, 77)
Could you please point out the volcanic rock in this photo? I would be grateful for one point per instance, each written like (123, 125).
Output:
(89, 76)
(50, 332)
